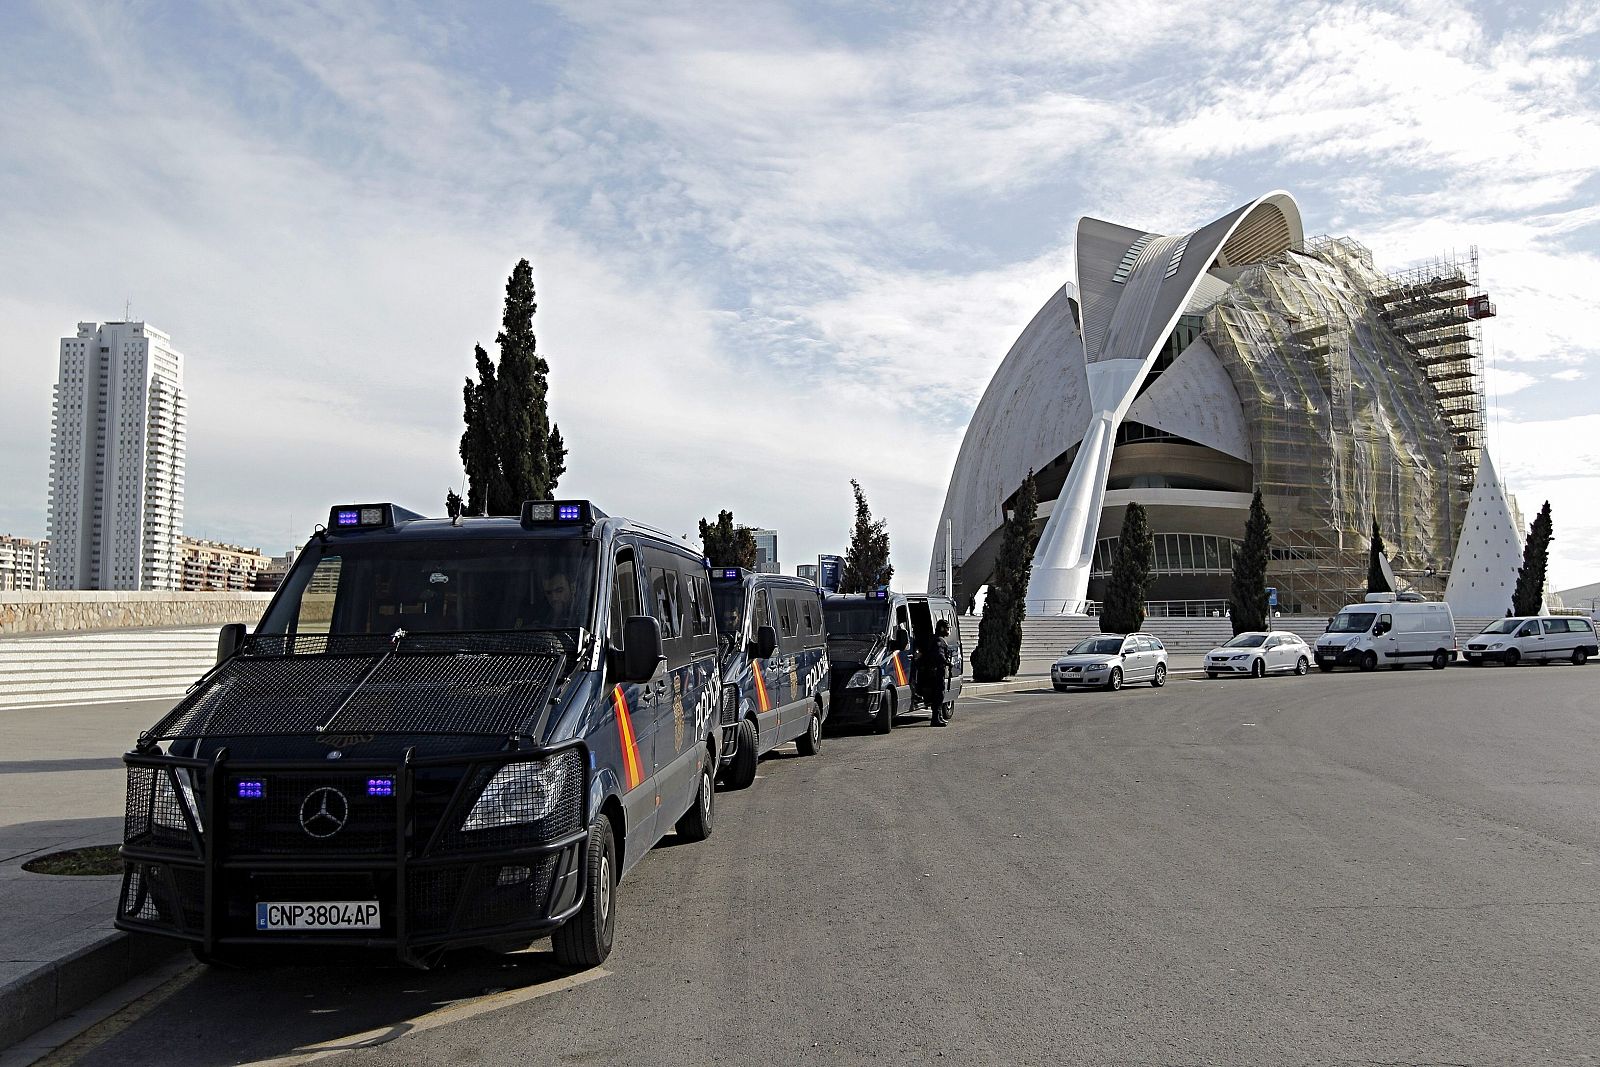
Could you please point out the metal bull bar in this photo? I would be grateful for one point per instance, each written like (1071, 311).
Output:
(201, 841)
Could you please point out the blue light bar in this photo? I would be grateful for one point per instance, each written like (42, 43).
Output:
(725, 572)
(252, 789)
(539, 512)
(360, 516)
(380, 787)
(879, 594)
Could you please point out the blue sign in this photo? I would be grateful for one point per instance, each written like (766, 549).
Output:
(830, 569)
(1272, 596)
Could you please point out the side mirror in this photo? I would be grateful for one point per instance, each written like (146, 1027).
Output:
(900, 638)
(766, 642)
(642, 655)
(229, 638)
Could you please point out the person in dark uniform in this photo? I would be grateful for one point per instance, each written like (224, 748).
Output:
(933, 660)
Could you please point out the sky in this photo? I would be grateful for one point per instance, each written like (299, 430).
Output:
(777, 246)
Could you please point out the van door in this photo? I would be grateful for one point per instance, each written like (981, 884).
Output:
(1558, 641)
(633, 709)
(693, 709)
(768, 697)
(791, 723)
(666, 604)
(953, 686)
(1387, 644)
(1529, 640)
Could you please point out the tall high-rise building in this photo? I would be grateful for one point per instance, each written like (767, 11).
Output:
(24, 563)
(117, 460)
(766, 550)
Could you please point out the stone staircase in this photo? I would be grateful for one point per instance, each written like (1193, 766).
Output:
(88, 667)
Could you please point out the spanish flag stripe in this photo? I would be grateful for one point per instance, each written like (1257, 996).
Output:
(899, 670)
(761, 689)
(630, 747)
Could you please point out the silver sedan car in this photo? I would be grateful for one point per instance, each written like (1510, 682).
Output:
(1108, 660)
(1259, 652)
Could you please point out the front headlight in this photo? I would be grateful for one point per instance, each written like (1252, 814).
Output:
(519, 793)
(167, 807)
(1497, 645)
(859, 680)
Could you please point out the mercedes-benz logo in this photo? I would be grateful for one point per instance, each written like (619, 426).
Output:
(324, 812)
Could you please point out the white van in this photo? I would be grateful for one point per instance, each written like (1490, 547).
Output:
(1384, 629)
(1537, 640)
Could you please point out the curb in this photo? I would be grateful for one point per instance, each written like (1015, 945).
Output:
(58, 988)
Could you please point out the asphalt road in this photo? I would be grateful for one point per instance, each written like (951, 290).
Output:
(1385, 868)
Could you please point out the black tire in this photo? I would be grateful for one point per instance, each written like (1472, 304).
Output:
(1441, 660)
(1474, 661)
(1580, 656)
(950, 711)
(1513, 657)
(1114, 682)
(584, 940)
(695, 825)
(1369, 661)
(1325, 668)
(1302, 665)
(1212, 675)
(1397, 666)
(742, 768)
(1062, 688)
(885, 721)
(810, 742)
(1160, 678)
(1258, 669)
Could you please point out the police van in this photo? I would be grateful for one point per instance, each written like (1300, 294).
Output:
(774, 669)
(869, 638)
(442, 733)
(873, 639)
(1385, 629)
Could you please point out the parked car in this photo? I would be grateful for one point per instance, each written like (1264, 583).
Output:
(1537, 640)
(1385, 629)
(1109, 660)
(1258, 652)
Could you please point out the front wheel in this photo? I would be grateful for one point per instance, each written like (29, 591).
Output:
(1114, 682)
(810, 742)
(1258, 669)
(1302, 665)
(742, 768)
(584, 940)
(1440, 661)
(1513, 657)
(1369, 661)
(1061, 688)
(1161, 676)
(1325, 668)
(696, 822)
(885, 721)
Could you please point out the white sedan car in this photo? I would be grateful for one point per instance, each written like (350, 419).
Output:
(1108, 660)
(1258, 653)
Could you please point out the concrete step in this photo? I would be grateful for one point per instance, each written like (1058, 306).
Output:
(85, 668)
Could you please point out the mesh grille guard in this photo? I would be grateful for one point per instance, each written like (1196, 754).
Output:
(491, 684)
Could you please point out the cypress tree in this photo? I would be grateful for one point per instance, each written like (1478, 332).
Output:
(1376, 581)
(1247, 603)
(1528, 598)
(999, 651)
(511, 451)
(866, 561)
(1129, 584)
(727, 545)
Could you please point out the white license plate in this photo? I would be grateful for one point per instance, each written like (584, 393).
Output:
(317, 915)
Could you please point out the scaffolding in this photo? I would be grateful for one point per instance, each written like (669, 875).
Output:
(1363, 394)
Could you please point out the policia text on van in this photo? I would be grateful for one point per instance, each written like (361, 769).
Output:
(441, 734)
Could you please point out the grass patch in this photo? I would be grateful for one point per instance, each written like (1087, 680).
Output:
(96, 859)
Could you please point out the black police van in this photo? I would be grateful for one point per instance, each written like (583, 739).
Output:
(442, 733)
(774, 670)
(873, 639)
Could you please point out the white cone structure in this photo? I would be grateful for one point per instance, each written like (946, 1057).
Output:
(1483, 575)
(1132, 287)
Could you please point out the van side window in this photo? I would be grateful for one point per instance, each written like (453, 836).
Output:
(1555, 626)
(699, 605)
(761, 612)
(664, 601)
(808, 616)
(1528, 629)
(786, 615)
(624, 594)
(316, 603)
(1580, 626)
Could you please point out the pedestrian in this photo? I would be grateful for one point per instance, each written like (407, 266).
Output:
(934, 659)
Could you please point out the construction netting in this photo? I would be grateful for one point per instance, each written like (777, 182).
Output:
(1363, 396)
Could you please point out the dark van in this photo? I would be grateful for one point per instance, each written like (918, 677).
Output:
(442, 733)
(774, 669)
(873, 640)
(869, 635)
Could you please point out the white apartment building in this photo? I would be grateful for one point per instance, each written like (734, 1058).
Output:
(24, 563)
(117, 460)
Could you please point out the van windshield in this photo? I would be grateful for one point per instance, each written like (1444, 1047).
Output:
(1352, 622)
(728, 597)
(855, 620)
(1503, 626)
(437, 585)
